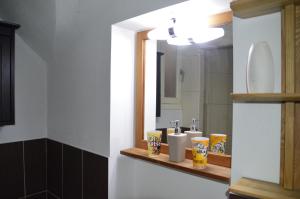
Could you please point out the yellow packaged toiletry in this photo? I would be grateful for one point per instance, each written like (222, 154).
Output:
(154, 142)
(217, 143)
(199, 151)
(170, 130)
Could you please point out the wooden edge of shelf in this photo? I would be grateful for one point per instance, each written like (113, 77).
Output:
(266, 97)
(253, 8)
(261, 189)
(211, 171)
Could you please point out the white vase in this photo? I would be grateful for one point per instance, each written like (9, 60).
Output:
(260, 69)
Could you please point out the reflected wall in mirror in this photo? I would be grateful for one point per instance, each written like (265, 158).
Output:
(185, 82)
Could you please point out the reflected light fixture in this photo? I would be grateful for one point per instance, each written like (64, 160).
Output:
(205, 35)
(180, 41)
(185, 33)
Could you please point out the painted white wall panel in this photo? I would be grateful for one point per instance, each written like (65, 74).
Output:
(30, 96)
(256, 127)
(79, 77)
(134, 179)
(122, 169)
(150, 87)
(156, 182)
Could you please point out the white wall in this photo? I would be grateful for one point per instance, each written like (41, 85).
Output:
(192, 87)
(167, 114)
(219, 85)
(150, 87)
(37, 19)
(79, 77)
(30, 96)
(157, 182)
(122, 169)
(135, 179)
(256, 127)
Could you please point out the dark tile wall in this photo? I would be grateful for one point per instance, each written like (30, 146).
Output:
(75, 174)
(72, 173)
(95, 184)
(54, 169)
(40, 195)
(35, 166)
(46, 169)
(11, 171)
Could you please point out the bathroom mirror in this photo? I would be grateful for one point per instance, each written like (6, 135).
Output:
(188, 82)
(185, 82)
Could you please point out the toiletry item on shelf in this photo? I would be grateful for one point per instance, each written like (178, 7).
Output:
(217, 143)
(200, 151)
(177, 142)
(171, 129)
(154, 142)
(192, 133)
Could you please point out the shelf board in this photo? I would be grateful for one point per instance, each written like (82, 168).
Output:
(211, 171)
(254, 8)
(266, 97)
(260, 189)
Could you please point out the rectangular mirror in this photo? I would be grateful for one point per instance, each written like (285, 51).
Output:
(186, 82)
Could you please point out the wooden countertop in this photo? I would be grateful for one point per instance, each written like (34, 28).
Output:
(211, 171)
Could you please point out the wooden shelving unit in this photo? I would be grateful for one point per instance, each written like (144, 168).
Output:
(260, 189)
(290, 84)
(266, 97)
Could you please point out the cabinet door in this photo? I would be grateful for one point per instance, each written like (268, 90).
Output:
(5, 80)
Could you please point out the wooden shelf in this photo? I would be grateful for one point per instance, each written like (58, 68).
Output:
(260, 189)
(253, 8)
(266, 97)
(211, 171)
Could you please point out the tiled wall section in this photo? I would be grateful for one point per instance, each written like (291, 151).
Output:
(23, 169)
(45, 169)
(76, 174)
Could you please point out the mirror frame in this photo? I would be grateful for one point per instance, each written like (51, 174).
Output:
(141, 38)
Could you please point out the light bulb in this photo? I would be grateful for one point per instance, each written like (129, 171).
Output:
(178, 41)
(162, 33)
(186, 32)
(207, 34)
(186, 28)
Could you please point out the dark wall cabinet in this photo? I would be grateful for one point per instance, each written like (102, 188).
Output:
(7, 60)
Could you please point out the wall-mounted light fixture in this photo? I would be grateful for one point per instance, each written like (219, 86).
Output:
(185, 33)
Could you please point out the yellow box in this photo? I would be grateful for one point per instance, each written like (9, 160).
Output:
(217, 143)
(170, 130)
(199, 151)
(154, 142)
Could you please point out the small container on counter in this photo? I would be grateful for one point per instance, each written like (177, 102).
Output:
(192, 133)
(217, 143)
(177, 143)
(154, 143)
(171, 130)
(200, 151)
